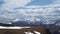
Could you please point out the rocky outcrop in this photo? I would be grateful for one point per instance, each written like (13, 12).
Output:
(39, 29)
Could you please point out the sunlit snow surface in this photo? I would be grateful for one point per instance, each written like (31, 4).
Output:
(33, 10)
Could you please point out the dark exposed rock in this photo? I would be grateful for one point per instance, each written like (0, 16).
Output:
(7, 25)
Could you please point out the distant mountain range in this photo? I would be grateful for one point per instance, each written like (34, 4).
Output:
(31, 23)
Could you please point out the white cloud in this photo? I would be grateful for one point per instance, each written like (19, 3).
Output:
(56, 2)
(15, 3)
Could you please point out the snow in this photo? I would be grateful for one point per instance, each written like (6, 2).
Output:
(15, 27)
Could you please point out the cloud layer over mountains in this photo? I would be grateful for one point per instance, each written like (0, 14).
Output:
(17, 9)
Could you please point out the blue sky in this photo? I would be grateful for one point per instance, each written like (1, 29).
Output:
(31, 2)
(40, 2)
(1, 2)
(34, 2)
